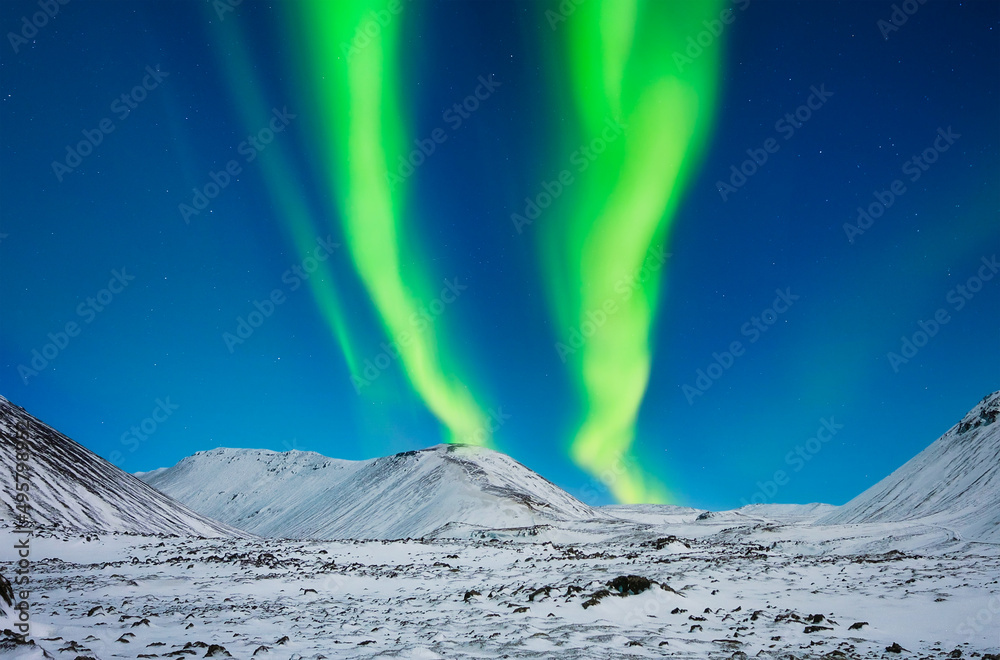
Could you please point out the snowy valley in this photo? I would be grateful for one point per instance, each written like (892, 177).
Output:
(461, 552)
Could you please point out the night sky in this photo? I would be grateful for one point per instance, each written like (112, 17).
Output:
(749, 330)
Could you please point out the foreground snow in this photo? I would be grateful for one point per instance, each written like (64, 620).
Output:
(753, 586)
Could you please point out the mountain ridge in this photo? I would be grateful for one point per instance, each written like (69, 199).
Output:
(70, 487)
(307, 495)
(954, 483)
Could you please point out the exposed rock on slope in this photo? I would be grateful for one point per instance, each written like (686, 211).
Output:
(70, 487)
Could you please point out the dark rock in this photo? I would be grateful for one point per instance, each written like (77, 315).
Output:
(630, 584)
(540, 591)
(661, 543)
(6, 592)
(596, 597)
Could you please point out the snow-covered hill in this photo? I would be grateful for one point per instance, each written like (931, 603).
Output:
(72, 488)
(409, 495)
(954, 483)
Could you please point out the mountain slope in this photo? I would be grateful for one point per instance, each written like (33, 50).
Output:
(73, 488)
(954, 483)
(306, 495)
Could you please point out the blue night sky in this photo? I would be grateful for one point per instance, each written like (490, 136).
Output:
(101, 242)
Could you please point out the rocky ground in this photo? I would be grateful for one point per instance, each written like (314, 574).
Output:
(754, 589)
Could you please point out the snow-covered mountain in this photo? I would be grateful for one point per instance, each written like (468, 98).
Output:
(409, 495)
(71, 488)
(954, 483)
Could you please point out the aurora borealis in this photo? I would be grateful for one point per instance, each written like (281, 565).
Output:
(358, 86)
(622, 70)
(600, 236)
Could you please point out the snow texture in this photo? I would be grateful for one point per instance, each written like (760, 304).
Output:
(763, 589)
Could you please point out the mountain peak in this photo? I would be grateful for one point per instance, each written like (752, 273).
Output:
(405, 495)
(984, 414)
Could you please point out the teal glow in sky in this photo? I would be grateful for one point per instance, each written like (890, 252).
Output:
(404, 218)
